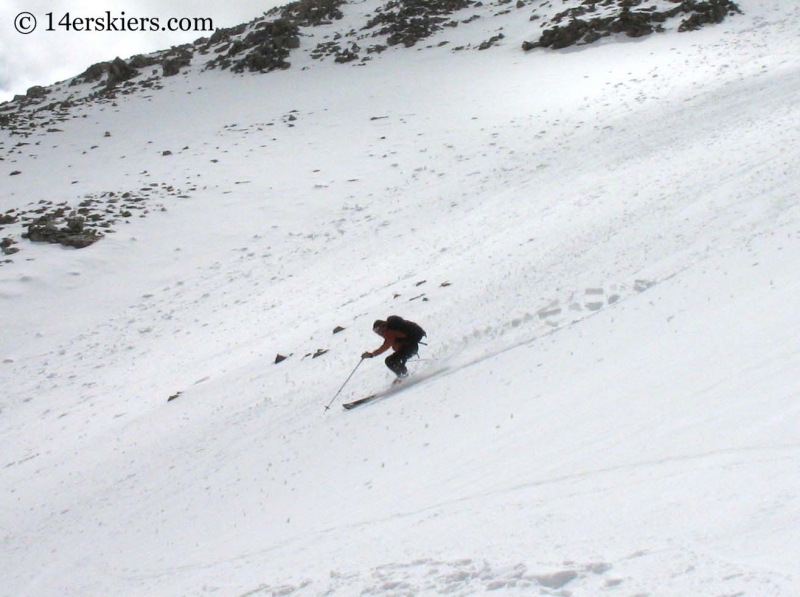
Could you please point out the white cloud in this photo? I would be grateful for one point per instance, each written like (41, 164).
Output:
(46, 56)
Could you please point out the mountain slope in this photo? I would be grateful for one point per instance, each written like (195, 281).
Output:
(601, 244)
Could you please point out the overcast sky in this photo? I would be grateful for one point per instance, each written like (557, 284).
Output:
(44, 57)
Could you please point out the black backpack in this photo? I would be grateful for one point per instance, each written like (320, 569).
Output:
(411, 330)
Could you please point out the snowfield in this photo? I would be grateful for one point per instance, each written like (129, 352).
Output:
(603, 244)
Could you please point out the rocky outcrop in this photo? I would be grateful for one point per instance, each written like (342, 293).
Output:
(119, 71)
(173, 66)
(83, 224)
(406, 22)
(74, 234)
(140, 61)
(37, 92)
(579, 30)
(708, 13)
(312, 13)
(266, 43)
(270, 40)
(264, 49)
(115, 72)
(91, 75)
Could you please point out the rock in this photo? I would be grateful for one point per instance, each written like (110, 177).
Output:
(580, 31)
(75, 225)
(348, 55)
(91, 75)
(118, 72)
(44, 229)
(312, 13)
(175, 61)
(170, 68)
(140, 61)
(707, 13)
(491, 42)
(79, 241)
(6, 248)
(37, 92)
(408, 22)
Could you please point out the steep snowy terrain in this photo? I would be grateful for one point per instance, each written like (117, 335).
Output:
(602, 243)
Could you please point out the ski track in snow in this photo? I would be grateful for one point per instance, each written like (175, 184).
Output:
(458, 577)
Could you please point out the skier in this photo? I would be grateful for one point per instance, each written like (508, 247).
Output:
(403, 337)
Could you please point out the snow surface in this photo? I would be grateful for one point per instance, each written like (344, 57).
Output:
(602, 244)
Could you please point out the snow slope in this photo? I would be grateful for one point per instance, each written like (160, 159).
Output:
(601, 243)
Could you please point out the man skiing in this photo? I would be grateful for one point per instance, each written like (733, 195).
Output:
(403, 337)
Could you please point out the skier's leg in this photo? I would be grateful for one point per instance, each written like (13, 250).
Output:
(397, 361)
(397, 364)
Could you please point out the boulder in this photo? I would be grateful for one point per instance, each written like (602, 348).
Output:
(119, 71)
(37, 92)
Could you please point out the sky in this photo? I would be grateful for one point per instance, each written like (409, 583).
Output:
(50, 53)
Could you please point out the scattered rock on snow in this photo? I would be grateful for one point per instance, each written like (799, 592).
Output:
(579, 30)
(46, 230)
(6, 246)
(409, 22)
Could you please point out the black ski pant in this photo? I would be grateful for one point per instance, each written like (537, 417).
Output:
(397, 361)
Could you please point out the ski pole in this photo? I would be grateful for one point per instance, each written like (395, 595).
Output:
(344, 384)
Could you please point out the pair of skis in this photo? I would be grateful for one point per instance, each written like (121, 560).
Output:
(396, 386)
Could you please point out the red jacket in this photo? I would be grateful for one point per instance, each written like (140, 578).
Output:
(393, 339)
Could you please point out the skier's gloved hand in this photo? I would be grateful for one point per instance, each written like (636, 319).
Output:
(367, 355)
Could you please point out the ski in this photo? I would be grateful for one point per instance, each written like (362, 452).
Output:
(354, 403)
(396, 386)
